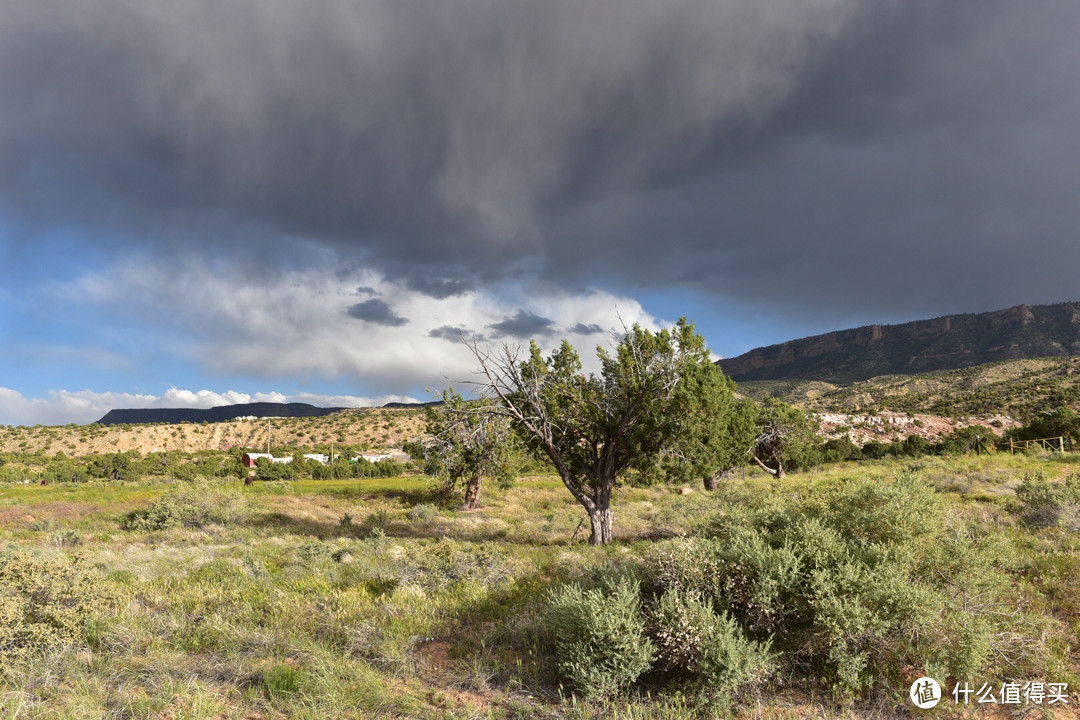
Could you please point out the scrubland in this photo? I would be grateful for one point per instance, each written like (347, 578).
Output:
(1015, 388)
(820, 595)
(367, 428)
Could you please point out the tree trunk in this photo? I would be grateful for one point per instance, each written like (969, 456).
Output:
(777, 472)
(472, 493)
(602, 526)
(711, 482)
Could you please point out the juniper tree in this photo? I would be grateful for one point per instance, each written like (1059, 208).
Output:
(595, 427)
(785, 438)
(712, 431)
(468, 442)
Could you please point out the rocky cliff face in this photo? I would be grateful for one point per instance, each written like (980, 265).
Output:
(944, 343)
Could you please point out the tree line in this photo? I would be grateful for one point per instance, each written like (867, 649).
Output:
(658, 405)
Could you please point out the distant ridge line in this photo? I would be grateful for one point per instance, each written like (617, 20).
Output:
(224, 413)
(221, 413)
(948, 342)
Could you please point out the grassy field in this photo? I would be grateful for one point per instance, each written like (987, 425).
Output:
(361, 598)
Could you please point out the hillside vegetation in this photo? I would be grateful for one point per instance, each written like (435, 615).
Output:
(368, 428)
(995, 395)
(1018, 388)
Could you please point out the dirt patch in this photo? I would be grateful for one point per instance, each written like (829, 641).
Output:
(437, 655)
(437, 671)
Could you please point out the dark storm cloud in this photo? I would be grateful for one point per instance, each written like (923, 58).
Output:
(439, 287)
(583, 329)
(455, 334)
(432, 138)
(523, 324)
(881, 154)
(928, 165)
(377, 312)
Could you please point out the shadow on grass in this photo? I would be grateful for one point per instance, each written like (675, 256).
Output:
(409, 496)
(281, 522)
(496, 642)
(284, 523)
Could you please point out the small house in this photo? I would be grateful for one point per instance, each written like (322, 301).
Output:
(250, 459)
(371, 457)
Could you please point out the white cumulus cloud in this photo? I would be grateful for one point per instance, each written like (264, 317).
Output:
(322, 323)
(308, 327)
(86, 406)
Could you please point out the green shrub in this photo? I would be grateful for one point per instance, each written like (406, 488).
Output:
(66, 538)
(961, 440)
(314, 551)
(162, 514)
(875, 450)
(1059, 422)
(271, 471)
(382, 469)
(854, 585)
(680, 623)
(423, 513)
(378, 520)
(1044, 504)
(599, 635)
(43, 525)
(914, 446)
(44, 602)
(691, 638)
(194, 507)
(839, 449)
(342, 555)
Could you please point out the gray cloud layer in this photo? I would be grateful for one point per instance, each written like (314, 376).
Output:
(911, 156)
(376, 311)
(455, 334)
(583, 329)
(523, 324)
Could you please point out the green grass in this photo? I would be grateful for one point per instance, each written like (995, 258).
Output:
(288, 612)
